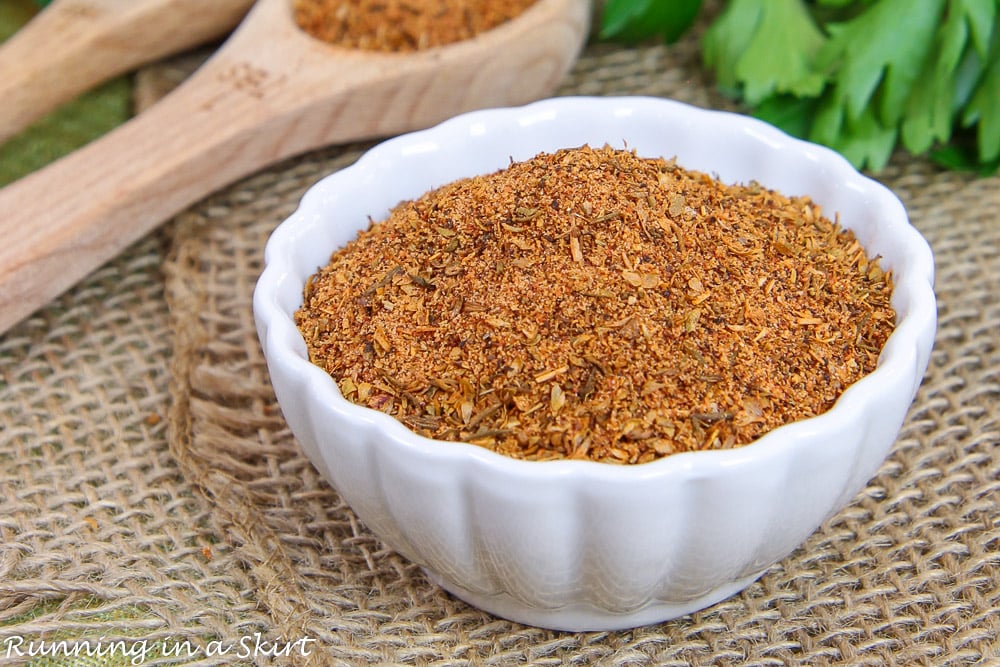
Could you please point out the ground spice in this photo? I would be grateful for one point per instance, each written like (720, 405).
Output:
(402, 25)
(592, 304)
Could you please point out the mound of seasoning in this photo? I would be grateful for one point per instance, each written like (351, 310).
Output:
(593, 304)
(402, 25)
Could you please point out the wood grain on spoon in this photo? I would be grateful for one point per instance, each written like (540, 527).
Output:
(271, 92)
(74, 45)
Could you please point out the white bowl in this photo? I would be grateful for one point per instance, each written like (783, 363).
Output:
(576, 545)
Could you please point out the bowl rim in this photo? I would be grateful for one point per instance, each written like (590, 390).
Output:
(900, 357)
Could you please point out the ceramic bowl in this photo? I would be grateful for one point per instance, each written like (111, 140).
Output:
(576, 545)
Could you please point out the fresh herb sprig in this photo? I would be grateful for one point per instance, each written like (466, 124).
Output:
(860, 76)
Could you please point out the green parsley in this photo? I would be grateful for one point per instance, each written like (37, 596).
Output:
(636, 20)
(860, 76)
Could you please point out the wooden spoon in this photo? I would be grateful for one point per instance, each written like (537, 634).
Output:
(270, 92)
(73, 45)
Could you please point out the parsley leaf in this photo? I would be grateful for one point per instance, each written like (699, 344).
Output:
(860, 76)
(864, 140)
(981, 15)
(860, 55)
(984, 106)
(766, 47)
(636, 20)
(930, 110)
(789, 113)
(960, 158)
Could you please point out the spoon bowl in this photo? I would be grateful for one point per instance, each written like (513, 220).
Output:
(269, 93)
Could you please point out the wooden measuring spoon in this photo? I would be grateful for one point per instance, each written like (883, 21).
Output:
(270, 92)
(72, 45)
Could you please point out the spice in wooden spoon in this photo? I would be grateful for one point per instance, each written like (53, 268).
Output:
(402, 25)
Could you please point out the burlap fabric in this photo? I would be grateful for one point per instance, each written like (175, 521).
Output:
(151, 489)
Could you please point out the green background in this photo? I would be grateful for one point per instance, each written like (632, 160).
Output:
(67, 128)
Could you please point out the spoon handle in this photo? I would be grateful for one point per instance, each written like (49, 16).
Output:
(75, 44)
(229, 120)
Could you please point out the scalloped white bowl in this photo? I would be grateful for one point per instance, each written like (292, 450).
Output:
(577, 545)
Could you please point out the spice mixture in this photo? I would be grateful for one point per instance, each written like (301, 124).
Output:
(592, 304)
(402, 25)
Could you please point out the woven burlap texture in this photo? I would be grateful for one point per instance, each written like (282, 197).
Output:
(150, 487)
